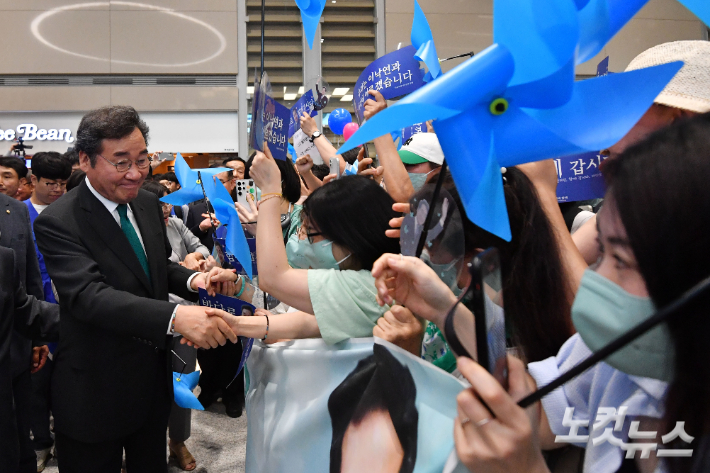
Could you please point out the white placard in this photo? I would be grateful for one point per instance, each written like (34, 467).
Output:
(303, 146)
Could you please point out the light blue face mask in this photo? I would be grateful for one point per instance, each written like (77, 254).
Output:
(603, 311)
(418, 179)
(448, 272)
(303, 255)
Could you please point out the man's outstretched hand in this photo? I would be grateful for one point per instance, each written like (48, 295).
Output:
(202, 330)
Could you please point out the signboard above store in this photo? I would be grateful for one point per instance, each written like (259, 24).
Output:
(30, 132)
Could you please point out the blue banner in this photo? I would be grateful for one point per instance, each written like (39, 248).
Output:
(235, 307)
(410, 131)
(579, 178)
(232, 261)
(304, 104)
(393, 75)
(276, 117)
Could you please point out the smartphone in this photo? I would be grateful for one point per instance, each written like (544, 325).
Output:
(335, 167)
(491, 342)
(165, 157)
(244, 188)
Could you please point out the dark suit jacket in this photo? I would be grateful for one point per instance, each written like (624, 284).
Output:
(194, 217)
(110, 368)
(32, 318)
(16, 233)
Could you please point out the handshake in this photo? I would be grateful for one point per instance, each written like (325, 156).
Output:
(204, 327)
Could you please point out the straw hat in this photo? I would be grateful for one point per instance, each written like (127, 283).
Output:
(690, 88)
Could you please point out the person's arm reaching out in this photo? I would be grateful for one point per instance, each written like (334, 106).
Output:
(324, 147)
(397, 181)
(276, 277)
(304, 165)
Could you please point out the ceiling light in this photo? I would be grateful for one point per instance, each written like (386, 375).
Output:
(250, 89)
(340, 91)
(346, 98)
(290, 96)
(301, 90)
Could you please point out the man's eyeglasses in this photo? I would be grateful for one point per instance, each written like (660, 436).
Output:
(126, 164)
(302, 233)
(55, 185)
(166, 206)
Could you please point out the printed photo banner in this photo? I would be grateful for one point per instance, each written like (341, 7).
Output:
(579, 178)
(318, 387)
(304, 104)
(393, 75)
(234, 263)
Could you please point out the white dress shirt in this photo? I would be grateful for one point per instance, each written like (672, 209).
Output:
(112, 208)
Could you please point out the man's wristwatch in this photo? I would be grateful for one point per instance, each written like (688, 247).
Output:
(315, 135)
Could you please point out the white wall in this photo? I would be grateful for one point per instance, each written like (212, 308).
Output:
(186, 132)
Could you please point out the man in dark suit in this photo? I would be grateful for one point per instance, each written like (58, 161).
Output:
(32, 318)
(16, 234)
(106, 250)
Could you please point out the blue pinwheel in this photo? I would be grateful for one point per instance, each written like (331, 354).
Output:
(423, 40)
(235, 241)
(190, 185)
(517, 101)
(183, 384)
(701, 8)
(311, 11)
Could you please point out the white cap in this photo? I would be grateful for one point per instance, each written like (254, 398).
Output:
(421, 148)
(690, 88)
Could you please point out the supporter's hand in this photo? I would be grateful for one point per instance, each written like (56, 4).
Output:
(217, 280)
(502, 439)
(401, 327)
(430, 127)
(206, 225)
(247, 215)
(201, 330)
(265, 172)
(396, 223)
(373, 107)
(39, 358)
(308, 126)
(304, 164)
(192, 263)
(208, 264)
(329, 178)
(543, 175)
(413, 284)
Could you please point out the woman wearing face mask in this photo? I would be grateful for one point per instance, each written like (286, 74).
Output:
(536, 304)
(324, 269)
(652, 251)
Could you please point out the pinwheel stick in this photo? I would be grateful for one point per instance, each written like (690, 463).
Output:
(457, 56)
(214, 229)
(430, 212)
(184, 363)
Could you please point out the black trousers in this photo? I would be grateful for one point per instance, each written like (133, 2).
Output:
(40, 407)
(219, 365)
(22, 393)
(146, 449)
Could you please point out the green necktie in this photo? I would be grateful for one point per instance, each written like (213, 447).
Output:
(130, 232)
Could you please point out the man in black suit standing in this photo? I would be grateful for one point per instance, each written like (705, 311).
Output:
(16, 234)
(106, 250)
(32, 318)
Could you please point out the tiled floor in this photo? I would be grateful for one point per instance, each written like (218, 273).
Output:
(218, 442)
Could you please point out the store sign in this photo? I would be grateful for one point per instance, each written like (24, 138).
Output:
(30, 132)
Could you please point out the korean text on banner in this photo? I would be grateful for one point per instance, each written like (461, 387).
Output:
(304, 145)
(393, 75)
(304, 104)
(276, 118)
(579, 178)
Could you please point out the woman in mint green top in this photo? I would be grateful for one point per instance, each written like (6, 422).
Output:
(323, 270)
